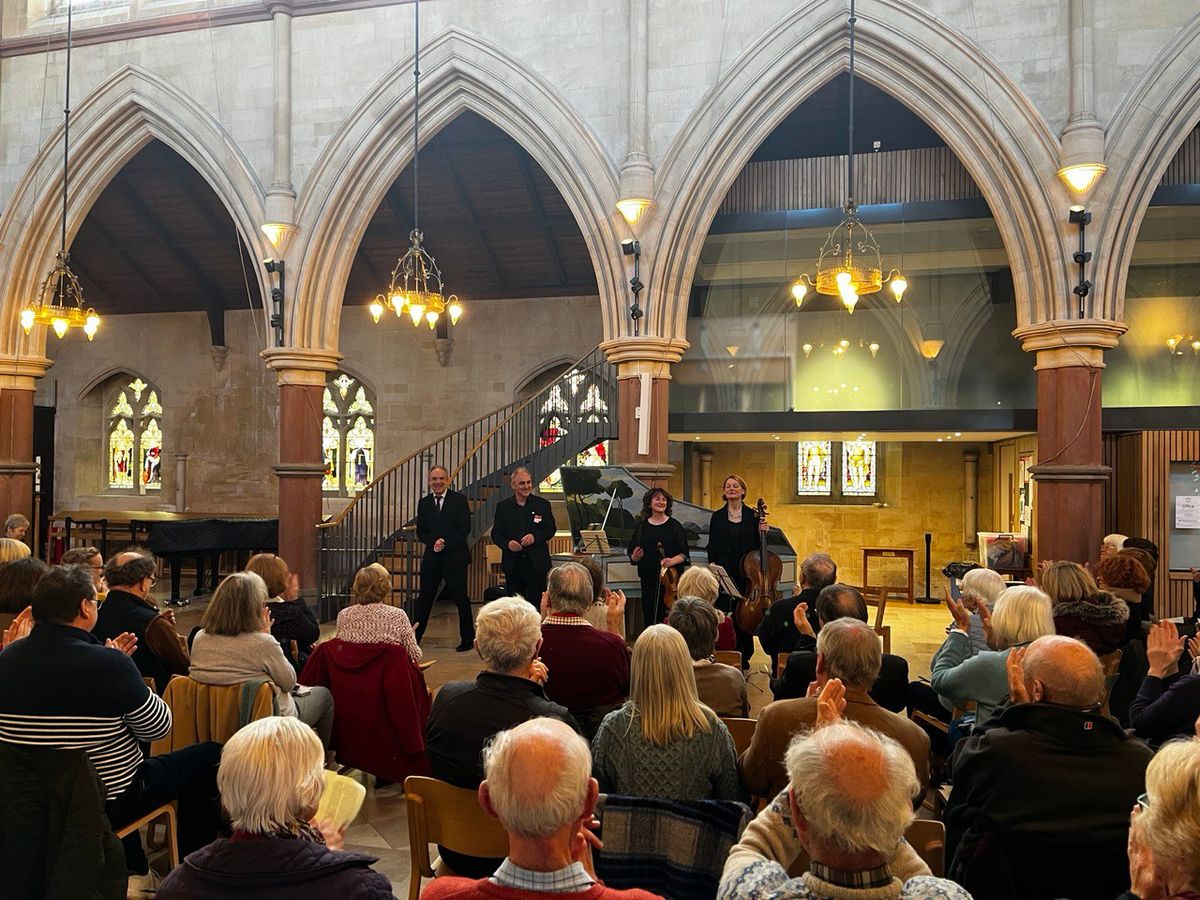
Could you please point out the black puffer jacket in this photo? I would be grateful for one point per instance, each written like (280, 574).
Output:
(1099, 621)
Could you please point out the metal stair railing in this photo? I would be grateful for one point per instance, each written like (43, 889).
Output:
(576, 411)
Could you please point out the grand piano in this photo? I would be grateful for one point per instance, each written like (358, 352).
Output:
(202, 539)
(610, 498)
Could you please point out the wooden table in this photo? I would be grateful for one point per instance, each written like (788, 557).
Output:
(907, 555)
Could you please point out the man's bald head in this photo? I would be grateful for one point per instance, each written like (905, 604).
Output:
(537, 777)
(1068, 671)
(128, 569)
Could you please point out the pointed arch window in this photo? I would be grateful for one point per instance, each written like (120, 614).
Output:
(134, 437)
(347, 435)
(574, 401)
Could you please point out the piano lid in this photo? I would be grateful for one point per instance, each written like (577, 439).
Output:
(589, 490)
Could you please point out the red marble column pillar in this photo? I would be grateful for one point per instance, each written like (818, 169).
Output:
(649, 359)
(16, 452)
(1069, 476)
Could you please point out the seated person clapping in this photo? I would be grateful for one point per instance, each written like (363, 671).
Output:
(369, 619)
(699, 582)
(1164, 830)
(271, 779)
(234, 644)
(720, 687)
(1168, 702)
(291, 619)
(664, 742)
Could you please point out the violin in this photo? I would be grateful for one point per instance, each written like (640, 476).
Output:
(668, 579)
(762, 570)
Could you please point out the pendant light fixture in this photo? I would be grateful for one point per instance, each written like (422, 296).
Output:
(849, 264)
(416, 283)
(59, 301)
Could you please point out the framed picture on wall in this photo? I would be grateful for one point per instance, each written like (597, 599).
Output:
(1002, 552)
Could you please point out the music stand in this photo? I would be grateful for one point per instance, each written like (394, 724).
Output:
(726, 583)
(594, 540)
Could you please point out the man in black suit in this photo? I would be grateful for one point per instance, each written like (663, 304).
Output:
(835, 602)
(778, 633)
(443, 523)
(523, 527)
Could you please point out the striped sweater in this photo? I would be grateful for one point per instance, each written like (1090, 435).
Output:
(61, 688)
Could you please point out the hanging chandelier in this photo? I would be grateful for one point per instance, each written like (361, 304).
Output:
(416, 284)
(59, 303)
(849, 264)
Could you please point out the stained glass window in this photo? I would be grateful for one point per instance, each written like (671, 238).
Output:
(574, 401)
(347, 435)
(858, 469)
(135, 437)
(814, 463)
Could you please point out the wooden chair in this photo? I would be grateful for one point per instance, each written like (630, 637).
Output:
(781, 664)
(729, 658)
(742, 732)
(926, 836)
(877, 597)
(209, 712)
(1111, 663)
(424, 664)
(167, 813)
(440, 813)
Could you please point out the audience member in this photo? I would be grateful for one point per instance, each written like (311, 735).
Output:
(847, 804)
(979, 586)
(837, 601)
(1112, 544)
(63, 687)
(271, 779)
(699, 582)
(1145, 552)
(847, 650)
(720, 687)
(12, 549)
(129, 607)
(91, 558)
(1168, 702)
(1022, 615)
(17, 579)
(537, 784)
(1042, 790)
(1164, 827)
(1124, 576)
(1082, 610)
(466, 714)
(15, 527)
(291, 619)
(778, 633)
(590, 666)
(607, 611)
(664, 742)
(371, 619)
(234, 644)
(20, 627)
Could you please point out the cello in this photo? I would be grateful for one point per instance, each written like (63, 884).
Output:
(762, 570)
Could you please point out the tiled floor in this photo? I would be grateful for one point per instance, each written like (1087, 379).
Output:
(381, 828)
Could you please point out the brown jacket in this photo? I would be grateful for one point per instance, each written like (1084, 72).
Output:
(761, 766)
(210, 712)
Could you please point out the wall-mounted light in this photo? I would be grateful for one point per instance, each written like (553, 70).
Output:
(634, 209)
(633, 248)
(279, 234)
(934, 339)
(1081, 218)
(275, 267)
(1082, 177)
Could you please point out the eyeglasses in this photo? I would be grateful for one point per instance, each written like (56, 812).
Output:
(1143, 802)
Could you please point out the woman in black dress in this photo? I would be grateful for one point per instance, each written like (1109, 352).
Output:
(733, 532)
(658, 541)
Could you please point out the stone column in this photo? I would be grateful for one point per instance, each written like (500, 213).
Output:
(643, 448)
(1069, 476)
(970, 497)
(281, 195)
(181, 482)
(637, 172)
(301, 376)
(706, 485)
(18, 380)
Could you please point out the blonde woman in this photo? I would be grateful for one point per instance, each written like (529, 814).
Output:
(699, 582)
(12, 549)
(271, 780)
(369, 619)
(1022, 615)
(1082, 610)
(291, 619)
(234, 644)
(664, 742)
(1164, 827)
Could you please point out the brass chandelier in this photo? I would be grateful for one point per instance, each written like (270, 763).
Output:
(59, 303)
(416, 284)
(849, 264)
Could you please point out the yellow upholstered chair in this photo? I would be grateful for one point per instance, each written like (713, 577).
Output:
(440, 813)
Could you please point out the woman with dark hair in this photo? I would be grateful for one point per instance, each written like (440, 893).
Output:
(291, 619)
(733, 532)
(17, 579)
(659, 542)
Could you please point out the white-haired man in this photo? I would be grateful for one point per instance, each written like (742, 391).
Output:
(847, 805)
(466, 714)
(538, 784)
(522, 529)
(1045, 780)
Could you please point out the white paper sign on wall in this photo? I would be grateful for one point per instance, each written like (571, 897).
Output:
(1187, 511)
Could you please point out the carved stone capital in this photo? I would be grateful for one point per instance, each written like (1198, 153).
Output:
(634, 355)
(301, 365)
(20, 373)
(300, 470)
(1053, 472)
(1064, 343)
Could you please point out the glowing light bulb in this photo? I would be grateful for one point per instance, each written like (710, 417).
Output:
(376, 309)
(27, 320)
(398, 302)
(843, 280)
(799, 290)
(1171, 343)
(874, 348)
(898, 284)
(843, 343)
(1196, 346)
(849, 298)
(91, 326)
(416, 311)
(807, 348)
(456, 310)
(60, 326)
(431, 317)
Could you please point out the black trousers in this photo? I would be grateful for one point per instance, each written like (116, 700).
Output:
(435, 573)
(653, 610)
(188, 776)
(745, 640)
(526, 581)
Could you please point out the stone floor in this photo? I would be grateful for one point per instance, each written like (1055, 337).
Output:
(381, 828)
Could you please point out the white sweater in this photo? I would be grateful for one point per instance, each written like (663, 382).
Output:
(229, 659)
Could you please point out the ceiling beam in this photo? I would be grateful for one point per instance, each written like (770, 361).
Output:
(536, 198)
(472, 217)
(81, 269)
(364, 260)
(97, 230)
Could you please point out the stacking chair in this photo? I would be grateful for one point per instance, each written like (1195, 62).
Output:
(741, 730)
(166, 816)
(729, 658)
(440, 813)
